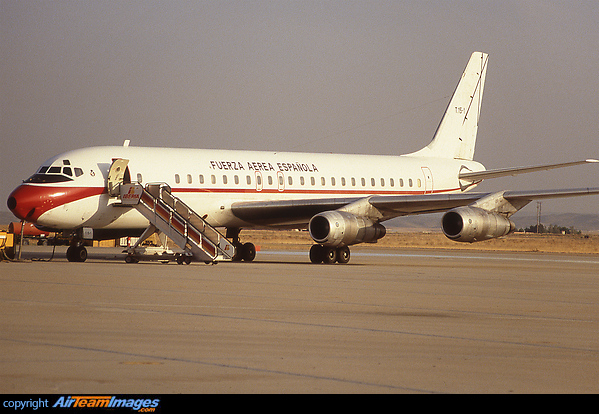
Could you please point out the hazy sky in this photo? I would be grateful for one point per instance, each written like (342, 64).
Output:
(349, 76)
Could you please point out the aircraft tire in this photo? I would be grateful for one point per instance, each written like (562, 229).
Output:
(329, 255)
(77, 254)
(81, 254)
(343, 255)
(248, 252)
(238, 257)
(131, 259)
(316, 253)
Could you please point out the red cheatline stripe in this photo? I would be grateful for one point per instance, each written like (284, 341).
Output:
(337, 193)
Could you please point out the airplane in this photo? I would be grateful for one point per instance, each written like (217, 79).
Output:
(341, 199)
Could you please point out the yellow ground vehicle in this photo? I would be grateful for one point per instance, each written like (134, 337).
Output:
(7, 249)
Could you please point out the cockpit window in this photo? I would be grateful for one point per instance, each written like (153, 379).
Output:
(55, 174)
(48, 178)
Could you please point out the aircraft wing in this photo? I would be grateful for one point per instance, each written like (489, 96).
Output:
(299, 212)
(294, 212)
(404, 205)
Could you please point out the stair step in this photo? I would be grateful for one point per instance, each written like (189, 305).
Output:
(179, 222)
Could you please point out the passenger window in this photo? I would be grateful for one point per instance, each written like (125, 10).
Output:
(213, 179)
(225, 179)
(382, 182)
(372, 182)
(322, 181)
(313, 181)
(343, 181)
(410, 182)
(236, 178)
(290, 180)
(139, 177)
(270, 180)
(391, 182)
(363, 182)
(333, 181)
(302, 182)
(401, 182)
(201, 178)
(419, 183)
(189, 179)
(353, 182)
(248, 179)
(177, 179)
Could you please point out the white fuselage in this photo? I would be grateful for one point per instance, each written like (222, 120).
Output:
(210, 181)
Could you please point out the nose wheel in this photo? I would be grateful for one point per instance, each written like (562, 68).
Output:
(77, 253)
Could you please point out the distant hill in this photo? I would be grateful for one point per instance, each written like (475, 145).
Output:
(584, 222)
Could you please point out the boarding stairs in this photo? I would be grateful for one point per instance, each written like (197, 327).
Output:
(171, 216)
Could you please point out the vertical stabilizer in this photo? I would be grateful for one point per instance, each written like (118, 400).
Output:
(456, 134)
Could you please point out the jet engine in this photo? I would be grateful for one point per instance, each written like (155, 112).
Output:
(339, 228)
(470, 224)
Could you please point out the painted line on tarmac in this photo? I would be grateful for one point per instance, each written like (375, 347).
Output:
(582, 260)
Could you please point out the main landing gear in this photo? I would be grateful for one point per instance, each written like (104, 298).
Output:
(243, 251)
(328, 254)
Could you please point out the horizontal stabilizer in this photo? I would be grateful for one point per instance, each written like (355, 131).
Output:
(550, 194)
(505, 172)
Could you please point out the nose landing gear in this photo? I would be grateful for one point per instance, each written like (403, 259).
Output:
(76, 252)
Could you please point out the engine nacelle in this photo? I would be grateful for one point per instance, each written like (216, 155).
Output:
(339, 228)
(470, 224)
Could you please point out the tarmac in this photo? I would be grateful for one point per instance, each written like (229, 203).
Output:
(390, 321)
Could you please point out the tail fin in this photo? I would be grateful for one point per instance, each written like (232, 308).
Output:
(456, 134)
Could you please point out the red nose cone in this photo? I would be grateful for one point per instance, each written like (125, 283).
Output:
(28, 202)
